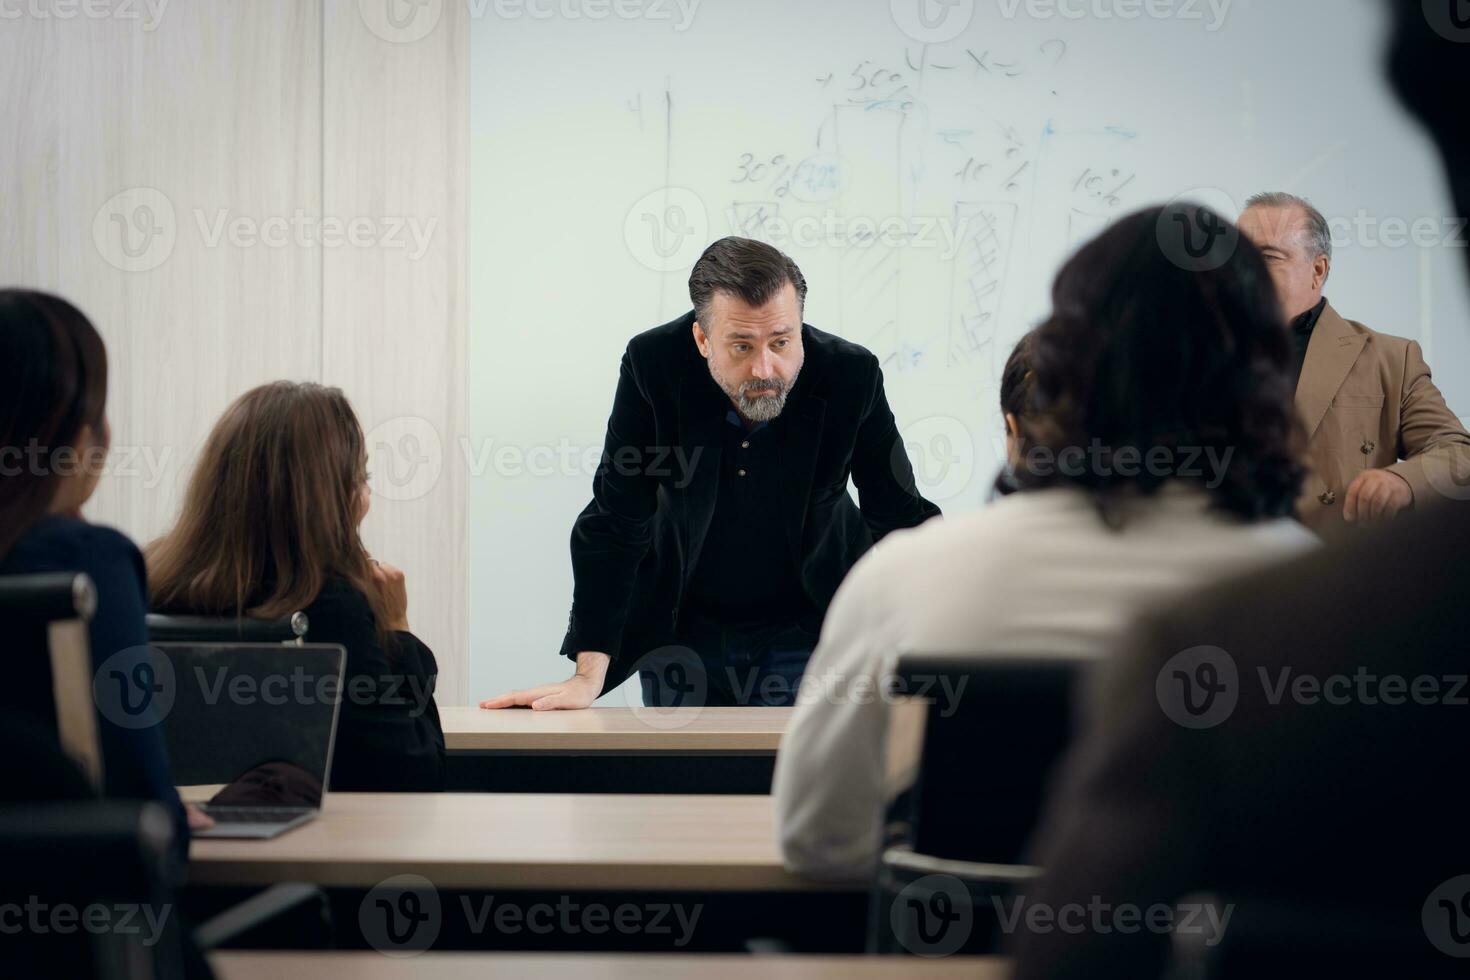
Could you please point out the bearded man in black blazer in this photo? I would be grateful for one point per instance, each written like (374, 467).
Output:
(720, 524)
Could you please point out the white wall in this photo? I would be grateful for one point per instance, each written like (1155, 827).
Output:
(260, 110)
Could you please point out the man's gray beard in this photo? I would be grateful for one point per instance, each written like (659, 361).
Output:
(752, 409)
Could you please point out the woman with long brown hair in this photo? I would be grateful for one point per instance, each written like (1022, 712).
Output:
(269, 526)
(54, 440)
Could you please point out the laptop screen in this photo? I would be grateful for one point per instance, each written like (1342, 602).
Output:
(258, 720)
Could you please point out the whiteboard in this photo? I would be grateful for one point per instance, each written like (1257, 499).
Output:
(928, 174)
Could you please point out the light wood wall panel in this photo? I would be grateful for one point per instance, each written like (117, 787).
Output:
(212, 112)
(245, 110)
(394, 312)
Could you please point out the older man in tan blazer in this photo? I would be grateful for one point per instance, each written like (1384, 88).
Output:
(1381, 438)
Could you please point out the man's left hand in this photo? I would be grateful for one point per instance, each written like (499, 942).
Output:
(1376, 495)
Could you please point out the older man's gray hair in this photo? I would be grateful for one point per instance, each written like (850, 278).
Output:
(1319, 233)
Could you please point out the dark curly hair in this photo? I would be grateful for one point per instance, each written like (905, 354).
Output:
(1161, 352)
(1017, 381)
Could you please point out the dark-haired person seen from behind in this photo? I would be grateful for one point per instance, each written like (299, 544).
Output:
(1377, 425)
(54, 438)
(1153, 450)
(1313, 777)
(720, 523)
(1017, 388)
(269, 527)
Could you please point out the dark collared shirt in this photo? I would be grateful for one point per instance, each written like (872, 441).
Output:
(1301, 335)
(746, 575)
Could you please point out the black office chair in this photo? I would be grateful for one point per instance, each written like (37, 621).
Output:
(69, 858)
(66, 849)
(1284, 939)
(163, 628)
(117, 861)
(56, 836)
(46, 617)
(967, 775)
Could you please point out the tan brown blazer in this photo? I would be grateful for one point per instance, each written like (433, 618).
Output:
(1368, 402)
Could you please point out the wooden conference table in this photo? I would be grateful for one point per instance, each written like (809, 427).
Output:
(613, 749)
(717, 852)
(532, 841)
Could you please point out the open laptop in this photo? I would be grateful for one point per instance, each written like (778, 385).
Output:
(259, 720)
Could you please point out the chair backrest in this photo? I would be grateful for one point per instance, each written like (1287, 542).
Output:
(969, 783)
(106, 867)
(165, 628)
(58, 606)
(37, 768)
(972, 743)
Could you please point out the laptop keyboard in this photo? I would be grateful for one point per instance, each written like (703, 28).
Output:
(254, 814)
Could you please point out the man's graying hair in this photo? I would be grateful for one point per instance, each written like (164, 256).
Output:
(1319, 233)
(743, 267)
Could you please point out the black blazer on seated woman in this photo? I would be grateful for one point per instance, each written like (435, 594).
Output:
(134, 762)
(388, 734)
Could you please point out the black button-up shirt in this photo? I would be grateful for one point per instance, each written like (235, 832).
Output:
(1301, 335)
(746, 575)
